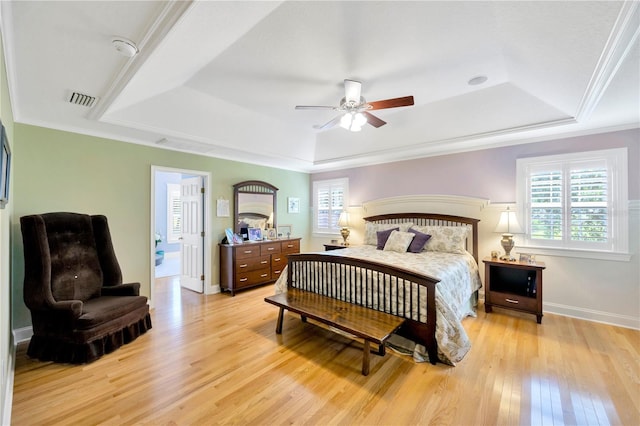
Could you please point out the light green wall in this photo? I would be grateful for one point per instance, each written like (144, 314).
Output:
(6, 339)
(62, 171)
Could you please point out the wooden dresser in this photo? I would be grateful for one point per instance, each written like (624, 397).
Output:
(251, 264)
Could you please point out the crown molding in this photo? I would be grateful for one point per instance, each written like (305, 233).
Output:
(624, 34)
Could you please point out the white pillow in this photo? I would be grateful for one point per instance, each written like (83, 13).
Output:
(371, 229)
(399, 241)
(448, 239)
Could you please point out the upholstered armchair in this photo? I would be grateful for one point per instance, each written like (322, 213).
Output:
(80, 309)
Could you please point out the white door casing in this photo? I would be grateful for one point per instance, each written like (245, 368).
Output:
(192, 235)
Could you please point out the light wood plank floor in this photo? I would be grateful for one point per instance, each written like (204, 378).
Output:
(217, 360)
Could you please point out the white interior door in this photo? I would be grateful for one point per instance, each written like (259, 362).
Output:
(192, 235)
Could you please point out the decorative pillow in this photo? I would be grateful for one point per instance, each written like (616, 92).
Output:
(448, 239)
(383, 236)
(418, 242)
(371, 229)
(398, 241)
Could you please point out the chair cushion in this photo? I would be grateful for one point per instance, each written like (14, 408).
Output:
(107, 308)
(75, 267)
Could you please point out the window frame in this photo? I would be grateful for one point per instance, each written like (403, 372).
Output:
(617, 244)
(317, 185)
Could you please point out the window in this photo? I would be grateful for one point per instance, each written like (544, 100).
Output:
(575, 201)
(174, 213)
(329, 199)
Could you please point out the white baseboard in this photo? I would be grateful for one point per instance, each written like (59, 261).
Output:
(625, 321)
(22, 334)
(7, 404)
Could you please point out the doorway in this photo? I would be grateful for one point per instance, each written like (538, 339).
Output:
(180, 245)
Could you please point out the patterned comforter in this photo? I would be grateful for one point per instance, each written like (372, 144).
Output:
(459, 280)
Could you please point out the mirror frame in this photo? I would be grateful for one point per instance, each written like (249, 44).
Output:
(253, 187)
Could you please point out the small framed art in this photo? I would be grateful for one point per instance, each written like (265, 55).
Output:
(293, 205)
(270, 233)
(284, 231)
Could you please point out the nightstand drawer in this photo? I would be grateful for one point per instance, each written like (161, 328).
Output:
(513, 301)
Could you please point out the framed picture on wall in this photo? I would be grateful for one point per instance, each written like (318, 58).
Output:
(293, 205)
(5, 167)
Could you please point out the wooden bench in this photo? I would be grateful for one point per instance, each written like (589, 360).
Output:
(370, 325)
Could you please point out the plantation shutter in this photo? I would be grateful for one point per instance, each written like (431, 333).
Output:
(546, 205)
(329, 199)
(589, 203)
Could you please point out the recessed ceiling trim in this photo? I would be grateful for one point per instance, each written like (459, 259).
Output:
(154, 35)
(465, 138)
(624, 34)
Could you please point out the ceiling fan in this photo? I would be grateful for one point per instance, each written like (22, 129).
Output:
(355, 110)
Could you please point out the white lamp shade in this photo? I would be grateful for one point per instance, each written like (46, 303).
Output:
(343, 220)
(508, 223)
(270, 220)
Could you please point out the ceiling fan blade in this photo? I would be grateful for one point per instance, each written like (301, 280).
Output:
(314, 107)
(391, 103)
(373, 120)
(329, 124)
(352, 91)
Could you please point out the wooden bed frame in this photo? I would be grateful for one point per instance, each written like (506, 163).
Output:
(360, 278)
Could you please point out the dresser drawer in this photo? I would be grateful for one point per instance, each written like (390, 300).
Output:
(269, 248)
(252, 263)
(249, 278)
(247, 250)
(290, 246)
(513, 301)
(278, 261)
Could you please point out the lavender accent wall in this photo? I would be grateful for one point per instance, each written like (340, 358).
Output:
(488, 173)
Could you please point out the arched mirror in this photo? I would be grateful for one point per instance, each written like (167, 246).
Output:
(255, 205)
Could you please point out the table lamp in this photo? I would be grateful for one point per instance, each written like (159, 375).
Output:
(343, 222)
(507, 226)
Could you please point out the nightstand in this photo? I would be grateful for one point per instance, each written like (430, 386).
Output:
(513, 285)
(329, 247)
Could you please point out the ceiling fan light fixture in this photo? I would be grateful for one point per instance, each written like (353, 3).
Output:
(353, 121)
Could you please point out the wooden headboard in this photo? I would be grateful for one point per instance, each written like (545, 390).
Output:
(424, 219)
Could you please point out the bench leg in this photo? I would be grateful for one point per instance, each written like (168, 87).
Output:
(279, 323)
(365, 359)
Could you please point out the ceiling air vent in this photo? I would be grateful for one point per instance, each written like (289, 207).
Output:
(80, 99)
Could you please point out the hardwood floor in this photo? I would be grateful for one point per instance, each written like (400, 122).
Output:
(217, 360)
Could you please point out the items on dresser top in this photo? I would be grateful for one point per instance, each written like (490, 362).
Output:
(252, 264)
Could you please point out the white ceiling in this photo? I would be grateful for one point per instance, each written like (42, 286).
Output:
(223, 78)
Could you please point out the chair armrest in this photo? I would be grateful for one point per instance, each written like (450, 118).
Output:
(128, 289)
(72, 308)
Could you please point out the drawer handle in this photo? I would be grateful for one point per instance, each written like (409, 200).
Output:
(244, 265)
(263, 275)
(270, 248)
(248, 251)
(511, 301)
(264, 262)
(289, 245)
(243, 279)
(277, 272)
(277, 259)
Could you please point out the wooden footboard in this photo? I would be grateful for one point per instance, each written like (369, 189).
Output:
(385, 288)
